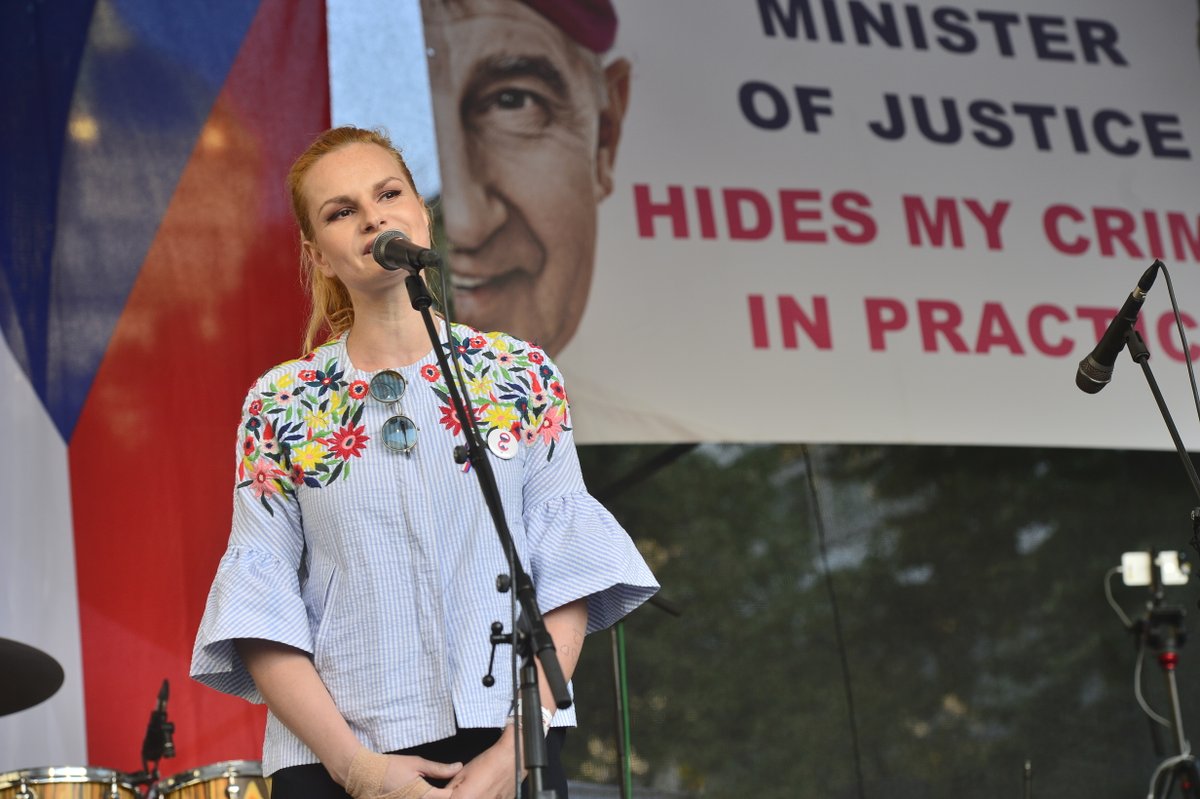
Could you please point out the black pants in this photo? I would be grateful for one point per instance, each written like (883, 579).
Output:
(314, 782)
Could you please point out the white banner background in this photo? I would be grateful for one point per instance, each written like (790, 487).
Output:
(689, 367)
(668, 349)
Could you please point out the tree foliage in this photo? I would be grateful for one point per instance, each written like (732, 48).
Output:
(944, 623)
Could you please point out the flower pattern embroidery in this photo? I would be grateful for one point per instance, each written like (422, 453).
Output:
(303, 430)
(511, 387)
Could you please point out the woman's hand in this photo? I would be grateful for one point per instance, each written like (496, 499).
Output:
(376, 776)
(490, 774)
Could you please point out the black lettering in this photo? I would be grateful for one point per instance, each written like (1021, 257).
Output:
(1075, 128)
(884, 25)
(1158, 137)
(892, 103)
(1097, 35)
(1045, 34)
(1037, 115)
(953, 131)
(1000, 23)
(1100, 125)
(778, 115)
(833, 21)
(797, 11)
(916, 27)
(953, 21)
(989, 115)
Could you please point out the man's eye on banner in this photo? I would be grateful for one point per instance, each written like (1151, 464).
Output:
(528, 111)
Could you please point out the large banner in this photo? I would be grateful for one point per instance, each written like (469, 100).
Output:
(782, 220)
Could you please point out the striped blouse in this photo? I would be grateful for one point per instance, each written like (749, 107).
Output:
(382, 564)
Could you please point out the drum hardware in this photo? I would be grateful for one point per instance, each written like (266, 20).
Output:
(232, 779)
(67, 782)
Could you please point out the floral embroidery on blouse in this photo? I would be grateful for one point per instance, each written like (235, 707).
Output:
(511, 388)
(303, 430)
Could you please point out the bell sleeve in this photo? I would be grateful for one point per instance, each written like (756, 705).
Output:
(257, 589)
(577, 549)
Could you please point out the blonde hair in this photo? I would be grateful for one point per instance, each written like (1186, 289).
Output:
(331, 307)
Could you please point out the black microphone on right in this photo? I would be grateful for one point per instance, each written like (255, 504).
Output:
(1096, 369)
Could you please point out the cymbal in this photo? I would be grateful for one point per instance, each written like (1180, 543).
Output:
(27, 676)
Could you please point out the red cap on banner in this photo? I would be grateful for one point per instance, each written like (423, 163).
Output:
(591, 23)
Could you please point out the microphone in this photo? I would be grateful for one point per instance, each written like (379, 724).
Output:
(157, 743)
(1096, 369)
(393, 250)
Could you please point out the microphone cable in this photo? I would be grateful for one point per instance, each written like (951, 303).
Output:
(1187, 353)
(819, 521)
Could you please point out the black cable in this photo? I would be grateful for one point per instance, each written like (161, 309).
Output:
(819, 521)
(1187, 354)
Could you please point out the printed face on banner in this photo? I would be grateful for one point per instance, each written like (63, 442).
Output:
(528, 124)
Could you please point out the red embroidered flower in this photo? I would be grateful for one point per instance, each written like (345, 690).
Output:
(551, 427)
(297, 474)
(307, 375)
(558, 390)
(449, 420)
(477, 342)
(430, 372)
(347, 441)
(358, 389)
(535, 356)
(256, 407)
(248, 445)
(264, 476)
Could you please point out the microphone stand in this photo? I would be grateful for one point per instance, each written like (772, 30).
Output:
(1163, 627)
(531, 638)
(1139, 353)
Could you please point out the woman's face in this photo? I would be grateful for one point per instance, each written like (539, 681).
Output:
(353, 194)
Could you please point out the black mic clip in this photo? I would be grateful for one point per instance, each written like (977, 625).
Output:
(159, 741)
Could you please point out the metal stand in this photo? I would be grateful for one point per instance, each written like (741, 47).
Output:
(1163, 632)
(531, 638)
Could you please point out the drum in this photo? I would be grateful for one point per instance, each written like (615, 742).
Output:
(233, 779)
(67, 782)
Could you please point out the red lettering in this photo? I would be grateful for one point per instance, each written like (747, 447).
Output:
(1181, 235)
(790, 215)
(758, 322)
(990, 220)
(1153, 235)
(918, 218)
(884, 315)
(846, 205)
(1099, 317)
(1167, 335)
(1050, 222)
(646, 210)
(738, 228)
(1115, 225)
(704, 207)
(1037, 333)
(940, 317)
(815, 327)
(995, 329)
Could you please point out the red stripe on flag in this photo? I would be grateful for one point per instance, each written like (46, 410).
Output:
(217, 301)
